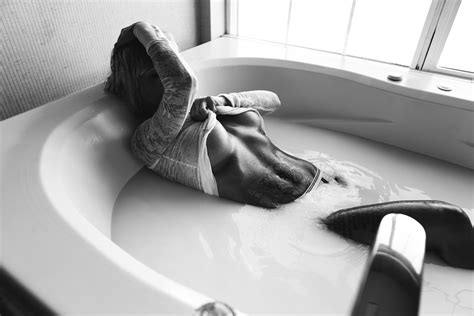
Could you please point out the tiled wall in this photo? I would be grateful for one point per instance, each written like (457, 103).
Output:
(52, 48)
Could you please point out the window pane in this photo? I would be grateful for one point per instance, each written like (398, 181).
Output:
(320, 24)
(387, 30)
(458, 52)
(263, 19)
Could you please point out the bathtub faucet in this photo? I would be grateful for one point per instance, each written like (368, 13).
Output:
(392, 281)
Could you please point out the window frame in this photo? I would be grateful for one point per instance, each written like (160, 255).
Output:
(435, 33)
(231, 19)
(433, 37)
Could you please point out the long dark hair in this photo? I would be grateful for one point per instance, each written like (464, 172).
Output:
(127, 64)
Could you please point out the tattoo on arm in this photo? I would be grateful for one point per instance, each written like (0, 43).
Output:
(154, 135)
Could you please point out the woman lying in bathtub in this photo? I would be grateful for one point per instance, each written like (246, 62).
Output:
(218, 145)
(215, 144)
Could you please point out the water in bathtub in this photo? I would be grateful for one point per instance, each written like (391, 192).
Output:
(259, 260)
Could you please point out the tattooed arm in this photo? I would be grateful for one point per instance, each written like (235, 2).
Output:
(154, 135)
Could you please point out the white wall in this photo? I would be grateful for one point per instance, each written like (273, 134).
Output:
(52, 48)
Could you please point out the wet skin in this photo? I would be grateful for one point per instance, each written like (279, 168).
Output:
(249, 168)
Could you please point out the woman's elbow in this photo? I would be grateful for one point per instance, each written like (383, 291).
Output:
(274, 101)
(277, 101)
(192, 82)
(186, 82)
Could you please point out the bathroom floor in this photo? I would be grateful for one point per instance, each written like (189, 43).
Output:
(283, 260)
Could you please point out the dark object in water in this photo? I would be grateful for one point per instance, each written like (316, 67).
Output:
(449, 232)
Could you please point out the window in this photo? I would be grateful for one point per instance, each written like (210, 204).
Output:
(431, 35)
(458, 52)
(387, 30)
(270, 26)
(316, 17)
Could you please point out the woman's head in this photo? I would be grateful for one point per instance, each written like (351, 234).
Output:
(134, 78)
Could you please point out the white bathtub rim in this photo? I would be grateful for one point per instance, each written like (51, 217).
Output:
(375, 82)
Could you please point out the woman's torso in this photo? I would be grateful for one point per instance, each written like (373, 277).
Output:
(249, 168)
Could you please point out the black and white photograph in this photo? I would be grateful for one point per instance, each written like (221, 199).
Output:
(237, 157)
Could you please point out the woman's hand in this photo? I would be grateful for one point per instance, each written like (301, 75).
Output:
(148, 33)
(201, 108)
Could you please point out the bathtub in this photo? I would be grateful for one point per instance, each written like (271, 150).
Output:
(88, 230)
